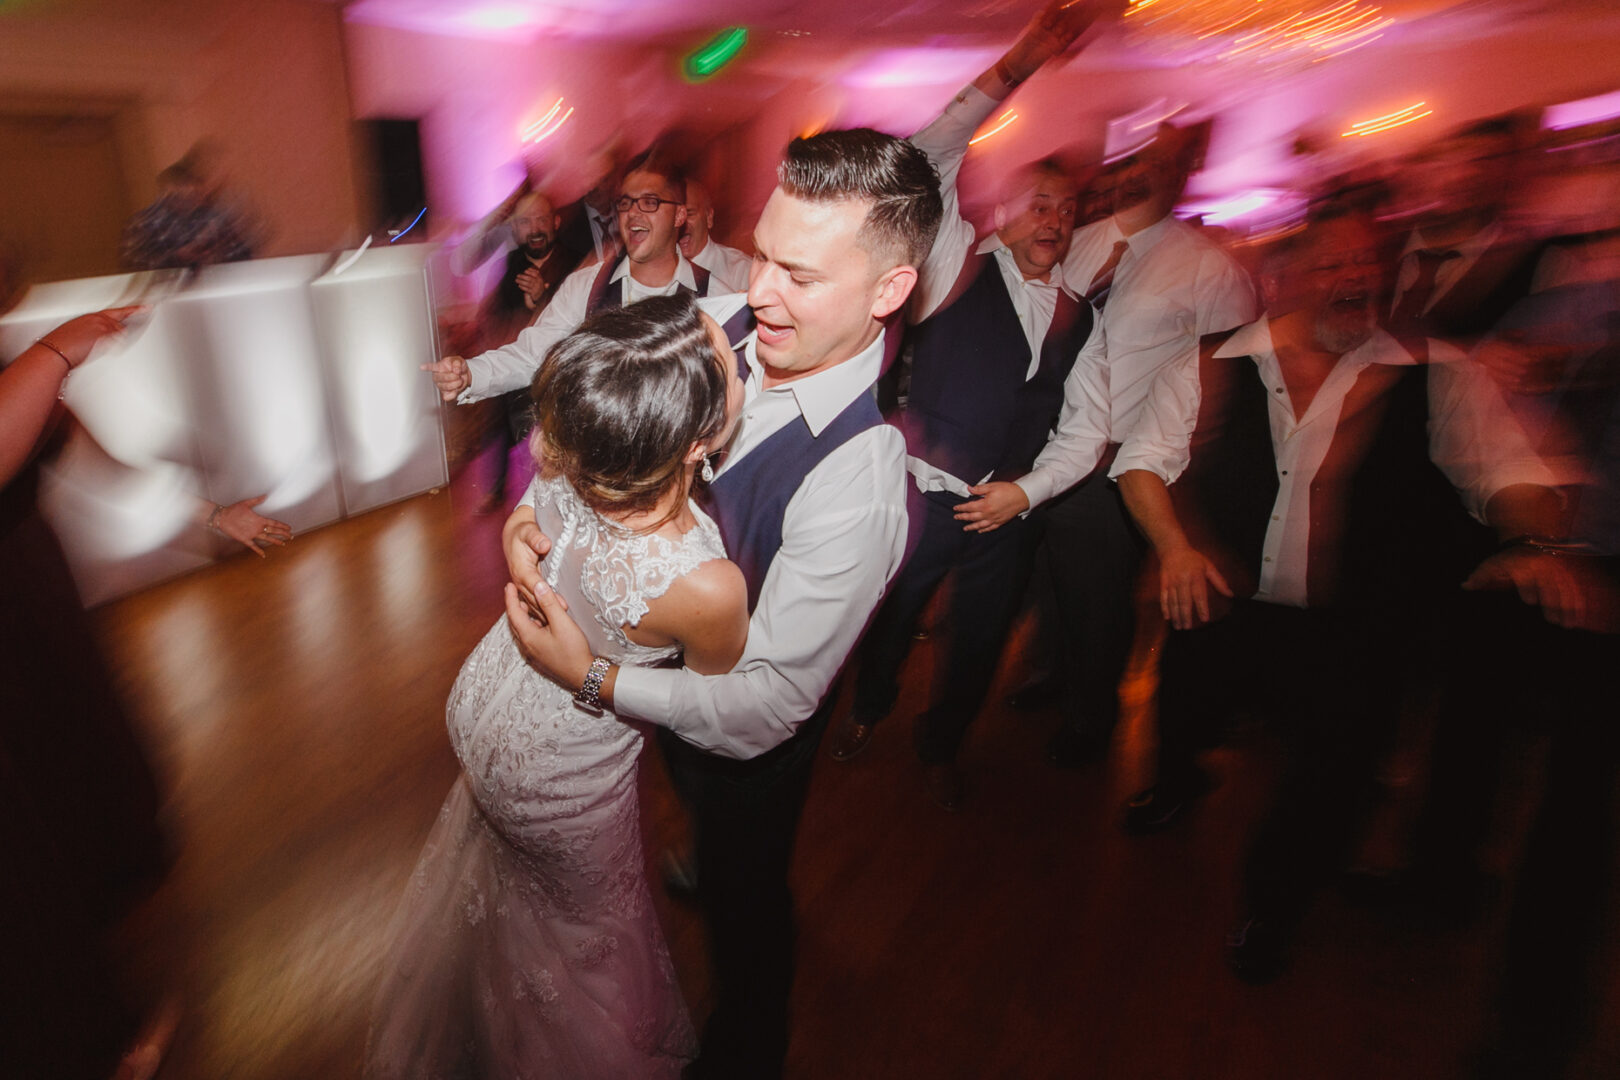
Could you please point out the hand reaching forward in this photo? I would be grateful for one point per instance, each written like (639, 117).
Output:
(1184, 579)
(252, 530)
(997, 503)
(450, 375)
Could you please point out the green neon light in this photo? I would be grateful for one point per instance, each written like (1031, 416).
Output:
(716, 53)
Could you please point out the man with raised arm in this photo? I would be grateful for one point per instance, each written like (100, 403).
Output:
(652, 209)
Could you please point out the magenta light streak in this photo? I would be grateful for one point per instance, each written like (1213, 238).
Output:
(1578, 113)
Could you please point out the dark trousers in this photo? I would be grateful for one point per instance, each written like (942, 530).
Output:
(1331, 681)
(745, 815)
(1512, 676)
(1092, 553)
(991, 570)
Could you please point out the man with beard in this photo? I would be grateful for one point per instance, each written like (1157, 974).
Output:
(1298, 480)
(1157, 285)
(728, 266)
(990, 364)
(651, 208)
(534, 268)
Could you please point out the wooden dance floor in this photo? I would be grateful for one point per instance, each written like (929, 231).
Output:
(295, 710)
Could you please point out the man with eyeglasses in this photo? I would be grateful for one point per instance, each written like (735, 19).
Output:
(651, 210)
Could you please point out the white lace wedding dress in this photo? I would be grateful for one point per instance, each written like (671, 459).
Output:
(526, 944)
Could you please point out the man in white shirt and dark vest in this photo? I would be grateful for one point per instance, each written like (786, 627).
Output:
(1299, 481)
(652, 209)
(727, 266)
(811, 501)
(993, 351)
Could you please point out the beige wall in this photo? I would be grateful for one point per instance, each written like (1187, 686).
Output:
(264, 79)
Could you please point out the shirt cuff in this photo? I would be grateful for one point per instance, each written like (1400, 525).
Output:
(643, 693)
(1037, 488)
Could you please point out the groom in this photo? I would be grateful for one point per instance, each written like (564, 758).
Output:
(811, 501)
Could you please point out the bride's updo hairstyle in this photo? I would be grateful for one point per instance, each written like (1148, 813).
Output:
(620, 401)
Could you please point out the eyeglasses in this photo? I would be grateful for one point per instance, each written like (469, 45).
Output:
(649, 204)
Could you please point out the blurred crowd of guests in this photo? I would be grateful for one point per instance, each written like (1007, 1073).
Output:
(1361, 466)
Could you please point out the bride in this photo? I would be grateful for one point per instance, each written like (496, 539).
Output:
(526, 944)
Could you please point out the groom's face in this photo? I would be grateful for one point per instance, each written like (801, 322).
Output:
(817, 293)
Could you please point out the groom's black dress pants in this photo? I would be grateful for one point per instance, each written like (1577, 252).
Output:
(746, 814)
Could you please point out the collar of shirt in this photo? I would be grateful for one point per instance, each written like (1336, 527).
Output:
(683, 272)
(1470, 249)
(992, 245)
(820, 397)
(1255, 340)
(1145, 240)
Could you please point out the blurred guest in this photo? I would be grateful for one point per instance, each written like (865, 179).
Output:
(1556, 357)
(728, 265)
(79, 836)
(534, 268)
(191, 223)
(1465, 262)
(1157, 285)
(1306, 523)
(991, 358)
(651, 209)
(590, 227)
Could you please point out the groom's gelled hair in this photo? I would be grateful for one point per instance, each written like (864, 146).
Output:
(620, 401)
(890, 173)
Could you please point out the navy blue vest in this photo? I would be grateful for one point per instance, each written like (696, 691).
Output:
(603, 297)
(749, 500)
(971, 411)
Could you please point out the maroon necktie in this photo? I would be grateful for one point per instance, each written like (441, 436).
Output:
(1101, 285)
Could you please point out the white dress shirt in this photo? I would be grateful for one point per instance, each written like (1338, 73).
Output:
(945, 141)
(843, 536)
(1449, 272)
(1472, 438)
(512, 367)
(1172, 286)
(728, 268)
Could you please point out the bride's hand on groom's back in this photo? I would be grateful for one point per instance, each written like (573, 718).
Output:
(524, 545)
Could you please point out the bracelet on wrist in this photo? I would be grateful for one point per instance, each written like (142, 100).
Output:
(1004, 73)
(589, 696)
(1547, 545)
(213, 518)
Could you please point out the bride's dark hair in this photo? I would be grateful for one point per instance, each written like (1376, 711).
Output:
(620, 401)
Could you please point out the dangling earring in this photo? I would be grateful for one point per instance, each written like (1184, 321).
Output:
(707, 472)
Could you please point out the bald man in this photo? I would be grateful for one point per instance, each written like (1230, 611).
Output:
(728, 265)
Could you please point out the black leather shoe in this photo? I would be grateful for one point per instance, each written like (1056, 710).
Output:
(1257, 951)
(680, 874)
(1070, 749)
(945, 785)
(1160, 806)
(852, 737)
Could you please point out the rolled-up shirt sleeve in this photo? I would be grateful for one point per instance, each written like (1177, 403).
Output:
(945, 141)
(843, 536)
(1160, 441)
(1473, 437)
(1077, 443)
